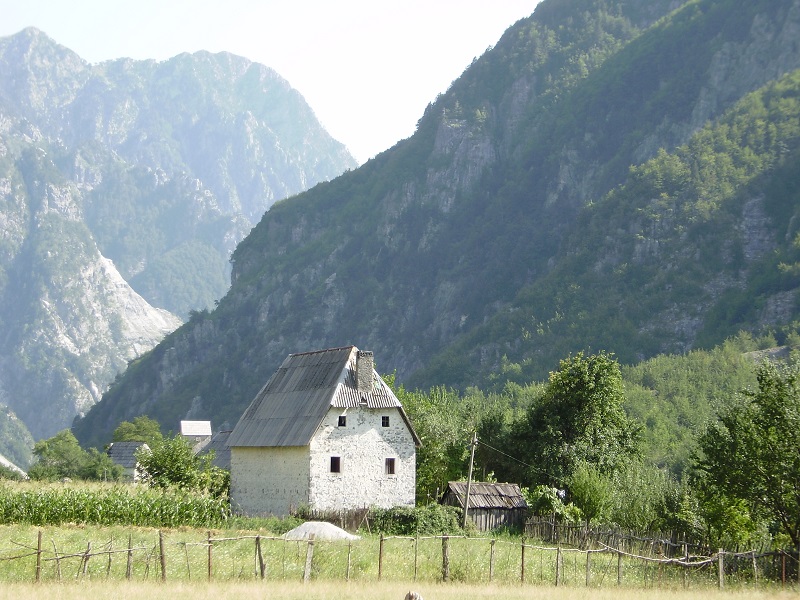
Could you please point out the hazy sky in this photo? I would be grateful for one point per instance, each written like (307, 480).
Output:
(368, 68)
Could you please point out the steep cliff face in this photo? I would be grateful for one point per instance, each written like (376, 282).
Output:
(467, 243)
(124, 187)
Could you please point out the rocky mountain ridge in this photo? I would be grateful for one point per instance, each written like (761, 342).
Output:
(124, 187)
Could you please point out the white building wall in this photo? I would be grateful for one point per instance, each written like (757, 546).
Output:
(363, 445)
(269, 481)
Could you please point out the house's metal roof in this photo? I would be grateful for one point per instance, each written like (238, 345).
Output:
(124, 453)
(222, 452)
(292, 404)
(487, 495)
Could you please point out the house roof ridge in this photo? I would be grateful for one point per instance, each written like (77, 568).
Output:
(337, 349)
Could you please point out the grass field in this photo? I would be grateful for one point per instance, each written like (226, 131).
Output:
(354, 591)
(77, 561)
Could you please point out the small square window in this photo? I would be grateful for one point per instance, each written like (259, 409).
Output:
(336, 464)
(384, 421)
(390, 466)
(342, 420)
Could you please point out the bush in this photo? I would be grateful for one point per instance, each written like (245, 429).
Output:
(434, 519)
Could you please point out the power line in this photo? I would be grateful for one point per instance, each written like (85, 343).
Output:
(514, 458)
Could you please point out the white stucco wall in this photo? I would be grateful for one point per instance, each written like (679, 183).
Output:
(269, 481)
(363, 445)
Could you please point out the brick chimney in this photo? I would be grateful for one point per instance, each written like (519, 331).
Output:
(364, 368)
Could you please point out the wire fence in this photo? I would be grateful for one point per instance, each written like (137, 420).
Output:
(177, 555)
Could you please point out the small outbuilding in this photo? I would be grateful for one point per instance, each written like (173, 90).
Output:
(197, 433)
(491, 505)
(124, 454)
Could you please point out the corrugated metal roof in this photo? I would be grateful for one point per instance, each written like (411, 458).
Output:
(487, 495)
(292, 404)
(196, 428)
(123, 453)
(222, 452)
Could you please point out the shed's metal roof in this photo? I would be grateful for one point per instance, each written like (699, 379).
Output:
(487, 495)
(292, 404)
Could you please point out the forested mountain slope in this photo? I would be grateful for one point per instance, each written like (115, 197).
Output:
(124, 187)
(534, 213)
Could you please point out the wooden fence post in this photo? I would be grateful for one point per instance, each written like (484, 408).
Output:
(210, 557)
(588, 568)
(349, 559)
(491, 561)
(162, 555)
(85, 561)
(686, 565)
(416, 555)
(755, 568)
(619, 568)
(445, 559)
(39, 557)
(309, 558)
(720, 569)
(783, 568)
(130, 559)
(380, 558)
(58, 561)
(110, 553)
(260, 557)
(522, 563)
(558, 564)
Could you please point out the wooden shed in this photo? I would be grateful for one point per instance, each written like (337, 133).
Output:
(491, 505)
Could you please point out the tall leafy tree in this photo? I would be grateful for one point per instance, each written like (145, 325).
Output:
(578, 419)
(172, 463)
(62, 457)
(750, 456)
(141, 429)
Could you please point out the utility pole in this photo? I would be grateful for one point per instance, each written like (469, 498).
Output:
(472, 444)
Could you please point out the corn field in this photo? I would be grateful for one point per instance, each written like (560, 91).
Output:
(99, 504)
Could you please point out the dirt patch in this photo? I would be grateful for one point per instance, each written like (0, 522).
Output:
(321, 531)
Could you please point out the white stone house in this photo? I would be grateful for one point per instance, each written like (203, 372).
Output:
(325, 432)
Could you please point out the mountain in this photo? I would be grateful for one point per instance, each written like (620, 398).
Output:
(613, 174)
(124, 187)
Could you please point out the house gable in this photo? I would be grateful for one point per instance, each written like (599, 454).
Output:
(362, 448)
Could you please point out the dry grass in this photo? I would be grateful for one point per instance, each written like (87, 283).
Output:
(355, 591)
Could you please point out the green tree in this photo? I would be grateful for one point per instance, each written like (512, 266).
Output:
(58, 457)
(98, 466)
(750, 457)
(591, 491)
(173, 464)
(62, 457)
(579, 418)
(141, 429)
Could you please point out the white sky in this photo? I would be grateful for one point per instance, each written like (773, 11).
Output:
(368, 68)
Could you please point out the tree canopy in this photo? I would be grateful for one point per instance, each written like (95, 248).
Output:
(578, 419)
(750, 457)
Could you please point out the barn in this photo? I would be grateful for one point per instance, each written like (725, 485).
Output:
(327, 433)
(491, 505)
